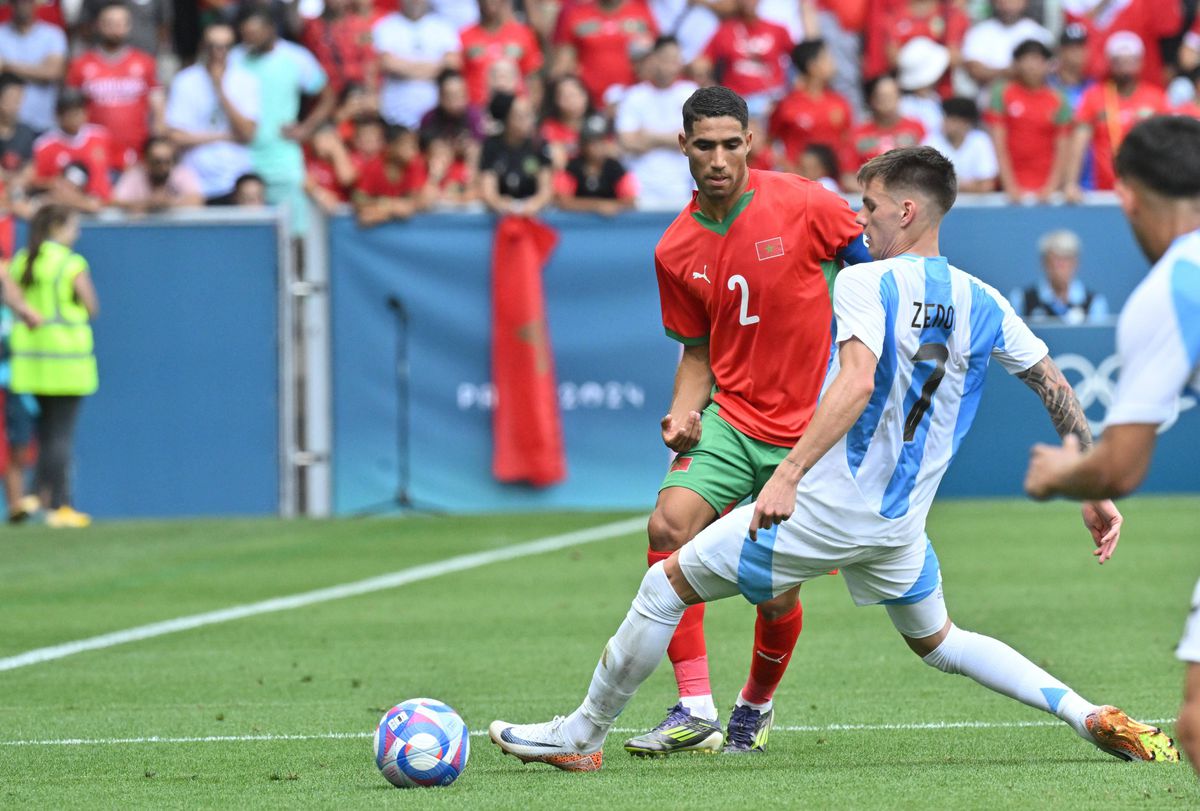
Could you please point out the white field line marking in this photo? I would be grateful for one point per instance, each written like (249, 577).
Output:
(337, 736)
(371, 584)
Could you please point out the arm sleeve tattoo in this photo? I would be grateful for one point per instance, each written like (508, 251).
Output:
(1045, 378)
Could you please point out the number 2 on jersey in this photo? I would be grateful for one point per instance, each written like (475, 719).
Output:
(926, 352)
(744, 317)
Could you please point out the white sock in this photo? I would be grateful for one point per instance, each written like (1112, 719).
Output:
(1000, 668)
(742, 702)
(628, 660)
(700, 706)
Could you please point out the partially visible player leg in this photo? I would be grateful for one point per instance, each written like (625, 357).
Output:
(574, 743)
(930, 634)
(775, 633)
(1187, 728)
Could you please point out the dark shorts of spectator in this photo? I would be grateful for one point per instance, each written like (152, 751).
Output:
(18, 421)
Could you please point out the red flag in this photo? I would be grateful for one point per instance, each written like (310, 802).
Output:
(527, 425)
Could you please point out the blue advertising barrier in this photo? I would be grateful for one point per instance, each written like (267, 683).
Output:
(186, 420)
(614, 365)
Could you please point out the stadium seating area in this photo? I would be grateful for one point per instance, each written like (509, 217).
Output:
(397, 106)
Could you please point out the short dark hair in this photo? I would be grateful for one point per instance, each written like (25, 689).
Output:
(154, 140)
(804, 53)
(262, 13)
(107, 4)
(827, 157)
(446, 75)
(248, 177)
(1163, 154)
(1032, 46)
(920, 168)
(664, 41)
(961, 107)
(714, 102)
(69, 99)
(8, 80)
(870, 84)
(395, 132)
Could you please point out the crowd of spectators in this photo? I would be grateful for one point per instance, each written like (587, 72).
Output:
(395, 106)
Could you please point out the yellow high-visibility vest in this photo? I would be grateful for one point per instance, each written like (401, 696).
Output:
(56, 357)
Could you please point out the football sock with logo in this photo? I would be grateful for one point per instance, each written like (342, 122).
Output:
(998, 667)
(689, 657)
(628, 659)
(774, 641)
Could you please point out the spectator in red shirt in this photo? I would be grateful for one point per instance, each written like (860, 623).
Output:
(747, 54)
(812, 113)
(1110, 109)
(1030, 124)
(567, 108)
(340, 39)
(594, 181)
(71, 162)
(497, 36)
(886, 129)
(888, 32)
(1150, 20)
(121, 87)
(600, 40)
(367, 140)
(329, 171)
(393, 186)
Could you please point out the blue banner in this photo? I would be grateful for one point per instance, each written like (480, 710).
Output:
(614, 364)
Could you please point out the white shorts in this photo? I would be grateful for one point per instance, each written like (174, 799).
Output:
(722, 561)
(1189, 646)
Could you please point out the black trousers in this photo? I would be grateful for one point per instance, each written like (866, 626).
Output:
(56, 419)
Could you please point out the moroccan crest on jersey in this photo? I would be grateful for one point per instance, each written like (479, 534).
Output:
(769, 248)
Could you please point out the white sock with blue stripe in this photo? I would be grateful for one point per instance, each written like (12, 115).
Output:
(1000, 668)
(628, 660)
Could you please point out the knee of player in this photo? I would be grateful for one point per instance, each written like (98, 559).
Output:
(779, 607)
(666, 535)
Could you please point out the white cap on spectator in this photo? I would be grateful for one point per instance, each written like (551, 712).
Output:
(1062, 242)
(1124, 43)
(921, 62)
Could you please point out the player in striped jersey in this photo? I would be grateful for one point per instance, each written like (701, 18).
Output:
(1158, 341)
(914, 336)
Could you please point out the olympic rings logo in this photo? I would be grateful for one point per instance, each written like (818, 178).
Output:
(1096, 385)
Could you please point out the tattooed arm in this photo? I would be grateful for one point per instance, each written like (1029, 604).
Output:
(1102, 518)
(1047, 380)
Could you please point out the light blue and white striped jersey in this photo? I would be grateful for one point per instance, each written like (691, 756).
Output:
(1158, 338)
(933, 328)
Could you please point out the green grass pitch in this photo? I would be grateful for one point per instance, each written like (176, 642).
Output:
(518, 640)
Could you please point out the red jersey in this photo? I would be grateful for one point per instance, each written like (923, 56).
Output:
(1152, 20)
(55, 150)
(482, 48)
(48, 11)
(870, 140)
(381, 179)
(324, 175)
(755, 289)
(1111, 116)
(118, 96)
(947, 25)
(343, 47)
(1033, 120)
(801, 119)
(603, 39)
(748, 56)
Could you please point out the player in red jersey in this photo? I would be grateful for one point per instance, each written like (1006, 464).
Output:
(595, 39)
(121, 86)
(1109, 110)
(744, 274)
(497, 36)
(1030, 123)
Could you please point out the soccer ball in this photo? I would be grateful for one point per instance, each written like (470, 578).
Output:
(421, 742)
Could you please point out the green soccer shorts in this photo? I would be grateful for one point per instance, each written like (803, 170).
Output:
(726, 466)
